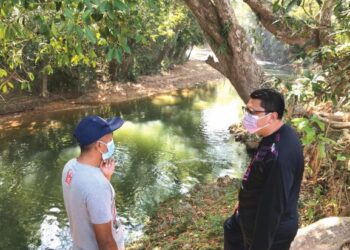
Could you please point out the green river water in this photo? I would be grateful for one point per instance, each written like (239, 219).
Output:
(168, 144)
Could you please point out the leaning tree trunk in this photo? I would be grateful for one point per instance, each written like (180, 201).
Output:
(229, 42)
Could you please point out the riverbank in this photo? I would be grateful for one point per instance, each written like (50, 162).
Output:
(188, 75)
(193, 221)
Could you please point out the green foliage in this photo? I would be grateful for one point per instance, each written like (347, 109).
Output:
(310, 206)
(45, 38)
(325, 79)
(321, 85)
(313, 132)
(288, 6)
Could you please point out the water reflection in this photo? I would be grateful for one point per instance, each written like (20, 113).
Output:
(168, 144)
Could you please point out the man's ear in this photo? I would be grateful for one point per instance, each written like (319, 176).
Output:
(97, 145)
(275, 115)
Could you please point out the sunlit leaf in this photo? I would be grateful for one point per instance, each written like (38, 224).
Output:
(3, 73)
(3, 88)
(31, 76)
(10, 84)
(75, 59)
(2, 31)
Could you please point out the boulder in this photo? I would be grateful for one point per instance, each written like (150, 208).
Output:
(331, 233)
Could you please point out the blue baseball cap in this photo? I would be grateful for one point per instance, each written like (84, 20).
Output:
(93, 127)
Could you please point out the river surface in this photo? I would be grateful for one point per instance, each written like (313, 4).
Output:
(168, 144)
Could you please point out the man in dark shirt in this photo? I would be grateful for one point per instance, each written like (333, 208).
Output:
(266, 217)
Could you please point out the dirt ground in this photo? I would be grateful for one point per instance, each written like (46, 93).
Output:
(187, 75)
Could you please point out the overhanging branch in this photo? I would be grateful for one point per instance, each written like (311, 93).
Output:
(305, 38)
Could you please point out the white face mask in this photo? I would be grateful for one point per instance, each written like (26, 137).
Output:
(250, 122)
(110, 150)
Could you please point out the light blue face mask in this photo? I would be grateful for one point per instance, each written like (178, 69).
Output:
(110, 150)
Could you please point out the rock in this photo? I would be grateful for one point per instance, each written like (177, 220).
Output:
(331, 233)
(223, 181)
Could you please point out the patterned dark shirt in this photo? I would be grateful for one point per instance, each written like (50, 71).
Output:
(270, 188)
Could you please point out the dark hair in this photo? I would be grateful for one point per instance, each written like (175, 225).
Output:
(86, 148)
(271, 100)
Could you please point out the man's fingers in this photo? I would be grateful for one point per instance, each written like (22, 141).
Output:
(101, 164)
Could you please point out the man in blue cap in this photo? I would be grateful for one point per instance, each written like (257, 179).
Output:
(87, 192)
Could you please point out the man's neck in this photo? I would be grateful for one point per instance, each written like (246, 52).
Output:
(89, 160)
(273, 128)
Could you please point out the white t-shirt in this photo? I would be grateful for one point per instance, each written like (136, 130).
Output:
(89, 199)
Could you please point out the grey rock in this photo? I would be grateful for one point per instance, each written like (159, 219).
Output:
(332, 233)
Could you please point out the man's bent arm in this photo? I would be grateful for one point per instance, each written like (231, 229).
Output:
(104, 236)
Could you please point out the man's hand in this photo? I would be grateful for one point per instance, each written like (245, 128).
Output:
(107, 167)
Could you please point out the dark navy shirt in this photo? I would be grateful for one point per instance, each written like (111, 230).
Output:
(270, 188)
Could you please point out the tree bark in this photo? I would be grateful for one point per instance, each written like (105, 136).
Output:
(44, 91)
(229, 42)
(306, 37)
(273, 23)
(325, 21)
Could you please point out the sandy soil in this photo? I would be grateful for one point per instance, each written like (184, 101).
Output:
(187, 75)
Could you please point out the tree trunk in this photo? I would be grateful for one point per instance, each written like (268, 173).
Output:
(44, 91)
(325, 21)
(163, 53)
(112, 70)
(229, 42)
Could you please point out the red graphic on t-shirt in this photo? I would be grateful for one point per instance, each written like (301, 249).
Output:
(69, 177)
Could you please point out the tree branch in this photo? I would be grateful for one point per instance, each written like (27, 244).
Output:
(216, 65)
(3, 98)
(336, 121)
(334, 124)
(306, 38)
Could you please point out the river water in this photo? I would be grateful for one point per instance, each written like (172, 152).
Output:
(168, 144)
